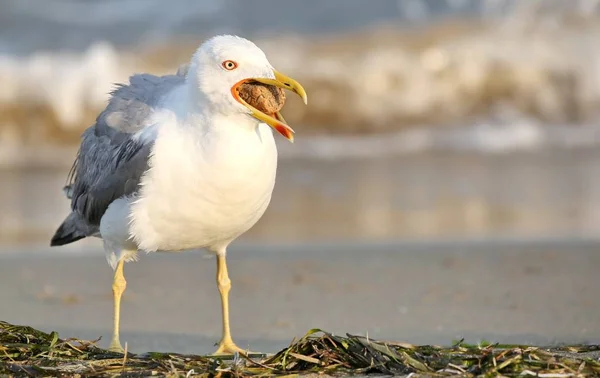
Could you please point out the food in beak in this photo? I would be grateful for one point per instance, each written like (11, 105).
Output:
(268, 96)
(268, 99)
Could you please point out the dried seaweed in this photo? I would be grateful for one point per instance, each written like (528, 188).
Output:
(25, 351)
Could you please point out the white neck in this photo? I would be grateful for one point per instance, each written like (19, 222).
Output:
(191, 108)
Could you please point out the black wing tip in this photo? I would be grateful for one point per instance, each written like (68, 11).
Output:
(66, 234)
(59, 240)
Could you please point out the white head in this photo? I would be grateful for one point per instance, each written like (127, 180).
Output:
(224, 62)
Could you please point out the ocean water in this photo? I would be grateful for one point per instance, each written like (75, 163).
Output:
(30, 25)
(427, 119)
(532, 195)
(370, 69)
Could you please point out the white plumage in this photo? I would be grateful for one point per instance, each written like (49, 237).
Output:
(179, 162)
(210, 179)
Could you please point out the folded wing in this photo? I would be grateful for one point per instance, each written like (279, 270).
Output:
(113, 154)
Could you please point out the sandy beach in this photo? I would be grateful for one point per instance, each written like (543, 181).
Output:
(505, 291)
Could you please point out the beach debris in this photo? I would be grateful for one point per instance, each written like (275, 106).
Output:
(25, 351)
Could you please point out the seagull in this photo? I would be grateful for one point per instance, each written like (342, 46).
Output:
(178, 162)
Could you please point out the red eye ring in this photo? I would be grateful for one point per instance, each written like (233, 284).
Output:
(229, 65)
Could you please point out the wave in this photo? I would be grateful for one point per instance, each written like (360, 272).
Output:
(385, 80)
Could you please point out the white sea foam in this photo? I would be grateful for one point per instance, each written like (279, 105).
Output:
(543, 71)
(66, 82)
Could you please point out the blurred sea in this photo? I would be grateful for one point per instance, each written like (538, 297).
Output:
(427, 118)
(385, 67)
(32, 25)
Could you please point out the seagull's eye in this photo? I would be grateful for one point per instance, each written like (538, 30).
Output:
(229, 65)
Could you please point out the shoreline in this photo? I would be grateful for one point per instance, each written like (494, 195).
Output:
(479, 138)
(333, 248)
(423, 196)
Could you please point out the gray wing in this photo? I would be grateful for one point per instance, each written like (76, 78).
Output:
(110, 162)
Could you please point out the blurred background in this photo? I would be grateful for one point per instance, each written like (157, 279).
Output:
(455, 126)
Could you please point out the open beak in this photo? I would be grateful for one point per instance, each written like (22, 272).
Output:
(275, 120)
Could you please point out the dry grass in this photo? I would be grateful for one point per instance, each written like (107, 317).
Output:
(25, 351)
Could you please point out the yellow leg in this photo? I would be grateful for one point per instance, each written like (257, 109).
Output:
(119, 285)
(226, 345)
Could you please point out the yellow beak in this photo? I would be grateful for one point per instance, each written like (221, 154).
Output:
(277, 122)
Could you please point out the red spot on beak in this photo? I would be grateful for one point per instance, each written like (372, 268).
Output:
(285, 130)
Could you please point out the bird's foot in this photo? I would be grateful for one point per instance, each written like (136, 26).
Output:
(228, 347)
(115, 346)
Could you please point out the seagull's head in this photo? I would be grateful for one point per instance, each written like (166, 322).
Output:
(223, 63)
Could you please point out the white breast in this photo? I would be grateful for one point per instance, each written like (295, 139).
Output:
(204, 187)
